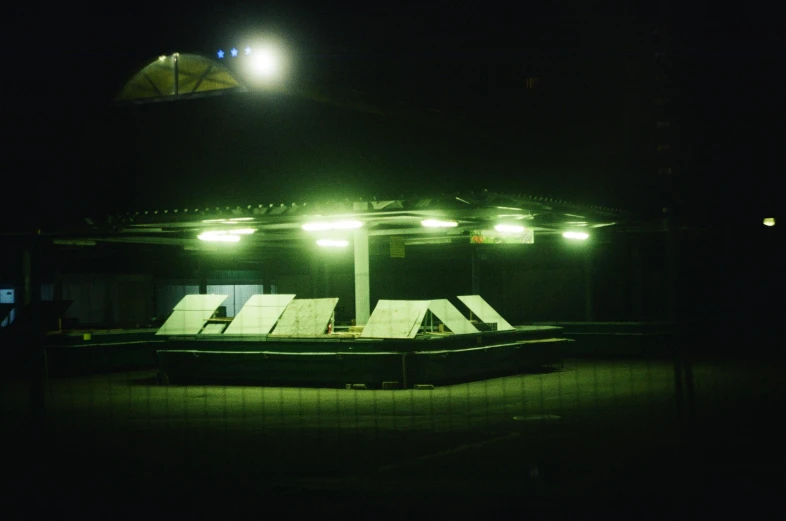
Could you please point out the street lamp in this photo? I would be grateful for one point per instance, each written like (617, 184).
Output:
(264, 63)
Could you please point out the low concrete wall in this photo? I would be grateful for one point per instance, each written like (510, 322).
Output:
(334, 369)
(95, 352)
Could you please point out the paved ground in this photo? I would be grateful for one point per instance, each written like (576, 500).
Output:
(594, 431)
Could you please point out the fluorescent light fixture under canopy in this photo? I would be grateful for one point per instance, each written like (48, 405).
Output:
(332, 243)
(332, 225)
(577, 236)
(509, 228)
(212, 237)
(436, 223)
(225, 235)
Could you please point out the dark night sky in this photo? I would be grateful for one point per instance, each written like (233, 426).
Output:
(581, 138)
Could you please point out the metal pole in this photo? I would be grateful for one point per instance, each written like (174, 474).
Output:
(636, 283)
(683, 370)
(589, 283)
(475, 271)
(202, 276)
(362, 290)
(177, 85)
(404, 370)
(36, 354)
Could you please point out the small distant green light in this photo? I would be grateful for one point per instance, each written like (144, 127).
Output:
(769, 221)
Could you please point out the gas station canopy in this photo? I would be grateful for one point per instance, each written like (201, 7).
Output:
(468, 215)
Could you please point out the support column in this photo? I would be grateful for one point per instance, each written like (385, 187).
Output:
(475, 271)
(326, 272)
(33, 333)
(362, 287)
(314, 272)
(202, 276)
(636, 293)
(26, 296)
(589, 287)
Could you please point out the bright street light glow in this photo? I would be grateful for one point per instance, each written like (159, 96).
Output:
(332, 243)
(579, 236)
(337, 225)
(509, 228)
(264, 63)
(769, 221)
(434, 223)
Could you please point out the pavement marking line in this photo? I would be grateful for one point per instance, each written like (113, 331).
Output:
(440, 454)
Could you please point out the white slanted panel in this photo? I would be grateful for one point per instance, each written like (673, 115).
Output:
(484, 312)
(309, 316)
(259, 315)
(396, 319)
(190, 314)
(451, 317)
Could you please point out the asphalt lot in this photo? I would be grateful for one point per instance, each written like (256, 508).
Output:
(593, 430)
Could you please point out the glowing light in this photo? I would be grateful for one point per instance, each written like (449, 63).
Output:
(225, 235)
(509, 228)
(161, 58)
(337, 225)
(578, 236)
(218, 237)
(248, 51)
(233, 52)
(332, 243)
(264, 63)
(434, 223)
(228, 221)
(769, 221)
(220, 54)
